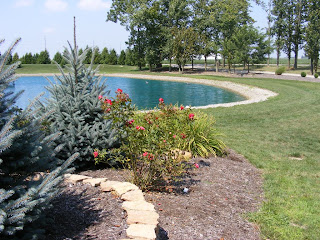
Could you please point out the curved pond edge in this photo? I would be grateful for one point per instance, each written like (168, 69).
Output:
(252, 94)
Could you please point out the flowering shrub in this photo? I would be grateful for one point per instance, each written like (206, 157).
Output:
(153, 142)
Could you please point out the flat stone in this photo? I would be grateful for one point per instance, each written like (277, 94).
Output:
(95, 181)
(74, 178)
(135, 239)
(123, 187)
(137, 205)
(134, 195)
(143, 217)
(142, 231)
(108, 186)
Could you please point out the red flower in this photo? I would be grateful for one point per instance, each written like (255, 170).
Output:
(137, 127)
(119, 90)
(142, 128)
(191, 116)
(161, 100)
(196, 165)
(174, 136)
(131, 121)
(100, 97)
(95, 154)
(181, 107)
(145, 154)
(183, 135)
(108, 101)
(150, 157)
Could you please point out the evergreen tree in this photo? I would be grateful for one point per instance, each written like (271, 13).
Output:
(76, 109)
(122, 58)
(104, 56)
(130, 58)
(113, 58)
(24, 152)
(57, 57)
(97, 56)
(44, 58)
(15, 58)
(88, 55)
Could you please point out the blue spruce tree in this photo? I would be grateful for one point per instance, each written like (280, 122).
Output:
(76, 109)
(27, 180)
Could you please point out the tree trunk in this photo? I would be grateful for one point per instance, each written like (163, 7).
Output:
(224, 62)
(205, 63)
(170, 65)
(278, 55)
(289, 61)
(192, 63)
(182, 69)
(296, 50)
(311, 66)
(217, 63)
(248, 67)
(316, 65)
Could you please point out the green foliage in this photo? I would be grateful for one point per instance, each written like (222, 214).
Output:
(303, 74)
(76, 110)
(316, 75)
(154, 142)
(57, 58)
(280, 70)
(122, 58)
(112, 58)
(43, 58)
(26, 155)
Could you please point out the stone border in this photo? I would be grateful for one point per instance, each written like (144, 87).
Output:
(141, 215)
(252, 94)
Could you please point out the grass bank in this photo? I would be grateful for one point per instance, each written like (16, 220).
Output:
(281, 137)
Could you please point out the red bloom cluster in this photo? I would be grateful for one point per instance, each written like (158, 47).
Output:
(119, 90)
(181, 107)
(149, 155)
(95, 154)
(100, 97)
(183, 135)
(161, 100)
(191, 116)
(140, 128)
(196, 165)
(108, 101)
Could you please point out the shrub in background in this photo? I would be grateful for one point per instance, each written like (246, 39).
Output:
(303, 74)
(316, 75)
(24, 152)
(76, 110)
(280, 70)
(156, 140)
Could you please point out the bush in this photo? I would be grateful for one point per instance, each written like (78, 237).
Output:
(303, 74)
(280, 70)
(316, 75)
(155, 142)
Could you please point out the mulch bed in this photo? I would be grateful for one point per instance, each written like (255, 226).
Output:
(220, 194)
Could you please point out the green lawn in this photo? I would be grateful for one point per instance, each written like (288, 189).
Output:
(281, 137)
(274, 136)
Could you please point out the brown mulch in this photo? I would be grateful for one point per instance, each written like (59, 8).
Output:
(220, 195)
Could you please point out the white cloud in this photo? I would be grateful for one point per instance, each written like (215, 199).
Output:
(93, 5)
(24, 3)
(56, 5)
(48, 30)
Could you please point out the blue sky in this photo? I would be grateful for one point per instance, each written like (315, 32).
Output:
(51, 21)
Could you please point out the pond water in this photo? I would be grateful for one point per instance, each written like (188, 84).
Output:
(145, 94)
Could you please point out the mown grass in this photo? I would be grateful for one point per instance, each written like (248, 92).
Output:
(281, 137)
(52, 68)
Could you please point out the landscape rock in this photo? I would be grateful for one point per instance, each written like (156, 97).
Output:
(141, 231)
(74, 178)
(95, 181)
(123, 187)
(108, 186)
(134, 195)
(143, 217)
(137, 205)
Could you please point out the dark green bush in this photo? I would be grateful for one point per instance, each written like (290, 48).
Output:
(316, 75)
(280, 70)
(303, 74)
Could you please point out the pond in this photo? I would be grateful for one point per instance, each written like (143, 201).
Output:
(144, 93)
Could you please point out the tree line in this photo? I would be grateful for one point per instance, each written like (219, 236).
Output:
(180, 30)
